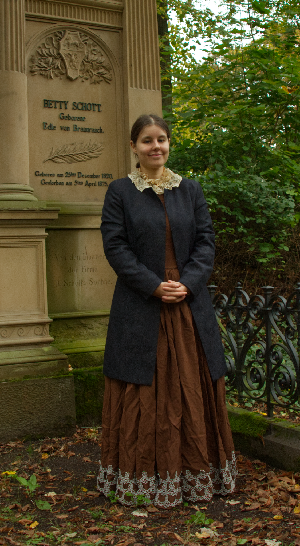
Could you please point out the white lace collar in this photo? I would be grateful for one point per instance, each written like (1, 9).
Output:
(167, 181)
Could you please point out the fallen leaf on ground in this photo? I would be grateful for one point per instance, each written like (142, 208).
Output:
(93, 529)
(152, 509)
(11, 541)
(179, 538)
(206, 533)
(5, 529)
(217, 525)
(253, 506)
(140, 513)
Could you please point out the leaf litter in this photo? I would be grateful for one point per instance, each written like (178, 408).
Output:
(55, 502)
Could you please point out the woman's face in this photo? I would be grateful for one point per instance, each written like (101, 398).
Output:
(152, 148)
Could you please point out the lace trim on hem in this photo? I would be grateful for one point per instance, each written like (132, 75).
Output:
(169, 492)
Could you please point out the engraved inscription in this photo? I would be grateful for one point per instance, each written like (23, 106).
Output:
(72, 54)
(78, 275)
(46, 179)
(85, 106)
(80, 270)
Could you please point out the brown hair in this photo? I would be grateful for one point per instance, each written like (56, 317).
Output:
(144, 121)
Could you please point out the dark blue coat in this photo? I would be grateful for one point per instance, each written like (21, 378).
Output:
(134, 236)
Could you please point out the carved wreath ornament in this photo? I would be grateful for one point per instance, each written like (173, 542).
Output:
(72, 54)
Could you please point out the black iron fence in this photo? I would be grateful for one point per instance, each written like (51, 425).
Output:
(261, 336)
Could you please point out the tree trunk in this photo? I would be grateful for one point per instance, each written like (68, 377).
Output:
(165, 56)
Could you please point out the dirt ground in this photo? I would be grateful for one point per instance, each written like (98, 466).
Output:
(64, 506)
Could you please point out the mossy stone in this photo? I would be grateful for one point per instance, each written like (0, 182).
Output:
(247, 422)
(89, 391)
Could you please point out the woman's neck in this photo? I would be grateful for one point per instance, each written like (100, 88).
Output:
(153, 173)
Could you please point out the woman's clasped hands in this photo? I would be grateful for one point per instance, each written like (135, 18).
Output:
(171, 292)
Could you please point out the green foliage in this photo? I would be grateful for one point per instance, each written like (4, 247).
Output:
(124, 529)
(43, 505)
(199, 519)
(141, 500)
(98, 513)
(112, 497)
(236, 116)
(31, 484)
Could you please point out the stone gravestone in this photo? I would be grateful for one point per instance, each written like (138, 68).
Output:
(77, 148)
(74, 77)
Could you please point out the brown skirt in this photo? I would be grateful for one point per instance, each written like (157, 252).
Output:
(170, 441)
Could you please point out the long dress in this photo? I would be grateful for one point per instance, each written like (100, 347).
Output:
(170, 441)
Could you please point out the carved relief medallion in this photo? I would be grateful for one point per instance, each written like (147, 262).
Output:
(72, 54)
(73, 51)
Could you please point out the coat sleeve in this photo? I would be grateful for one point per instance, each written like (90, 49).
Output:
(117, 249)
(199, 267)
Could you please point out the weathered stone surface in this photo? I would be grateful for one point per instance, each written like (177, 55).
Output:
(277, 443)
(89, 391)
(37, 407)
(32, 362)
(82, 339)
(79, 276)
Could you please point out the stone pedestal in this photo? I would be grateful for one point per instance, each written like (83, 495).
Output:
(36, 407)
(24, 323)
(25, 343)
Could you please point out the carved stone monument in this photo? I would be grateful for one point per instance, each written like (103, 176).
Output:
(74, 75)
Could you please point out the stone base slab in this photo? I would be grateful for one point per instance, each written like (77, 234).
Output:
(37, 361)
(35, 408)
(277, 442)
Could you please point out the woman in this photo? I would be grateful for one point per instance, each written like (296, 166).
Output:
(166, 435)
